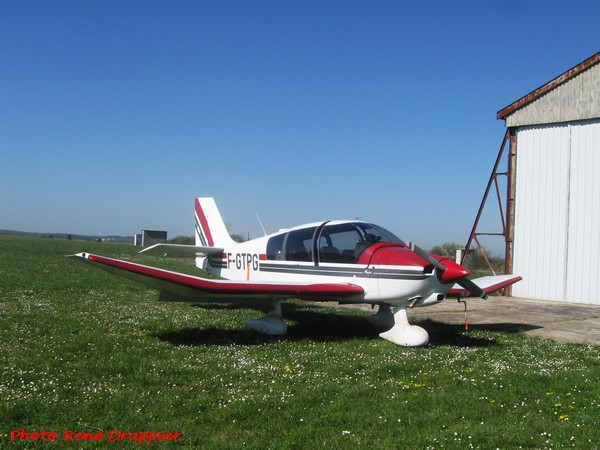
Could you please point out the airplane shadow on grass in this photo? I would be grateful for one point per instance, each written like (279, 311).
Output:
(322, 325)
(441, 333)
(319, 325)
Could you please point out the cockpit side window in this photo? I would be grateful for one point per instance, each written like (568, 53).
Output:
(275, 247)
(337, 242)
(297, 244)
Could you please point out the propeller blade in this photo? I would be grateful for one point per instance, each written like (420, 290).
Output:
(454, 271)
(426, 256)
(472, 288)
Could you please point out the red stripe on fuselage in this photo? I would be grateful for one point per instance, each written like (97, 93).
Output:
(204, 224)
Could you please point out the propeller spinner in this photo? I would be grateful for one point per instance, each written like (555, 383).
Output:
(449, 271)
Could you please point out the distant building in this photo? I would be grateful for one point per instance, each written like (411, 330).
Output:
(152, 237)
(554, 232)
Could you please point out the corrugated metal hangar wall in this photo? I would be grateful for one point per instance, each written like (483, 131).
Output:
(556, 228)
(557, 212)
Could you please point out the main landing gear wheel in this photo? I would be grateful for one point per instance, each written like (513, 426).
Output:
(271, 324)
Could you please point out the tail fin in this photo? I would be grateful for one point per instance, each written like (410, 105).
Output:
(210, 228)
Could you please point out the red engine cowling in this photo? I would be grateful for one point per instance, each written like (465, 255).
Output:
(391, 254)
(395, 254)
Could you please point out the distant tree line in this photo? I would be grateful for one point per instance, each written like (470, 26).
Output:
(475, 261)
(182, 240)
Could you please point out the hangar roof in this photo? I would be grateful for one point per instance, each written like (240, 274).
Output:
(578, 98)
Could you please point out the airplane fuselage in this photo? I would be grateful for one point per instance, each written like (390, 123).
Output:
(334, 252)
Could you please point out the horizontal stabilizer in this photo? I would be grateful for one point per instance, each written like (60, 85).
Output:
(487, 284)
(180, 250)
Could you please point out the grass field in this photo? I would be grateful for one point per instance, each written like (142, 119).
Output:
(82, 351)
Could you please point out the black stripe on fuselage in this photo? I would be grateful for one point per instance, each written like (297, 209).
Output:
(217, 264)
(345, 271)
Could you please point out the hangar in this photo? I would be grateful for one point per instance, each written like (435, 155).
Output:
(552, 228)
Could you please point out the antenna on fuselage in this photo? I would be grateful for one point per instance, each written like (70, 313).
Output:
(261, 225)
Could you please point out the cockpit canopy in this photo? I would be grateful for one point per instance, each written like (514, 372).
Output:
(329, 242)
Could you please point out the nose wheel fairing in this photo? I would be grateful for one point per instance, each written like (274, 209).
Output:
(401, 332)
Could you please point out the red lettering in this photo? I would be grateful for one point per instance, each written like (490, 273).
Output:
(51, 435)
(176, 435)
(116, 435)
(67, 435)
(113, 436)
(70, 435)
(34, 436)
(14, 434)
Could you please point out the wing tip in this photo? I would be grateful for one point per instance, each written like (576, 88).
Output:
(489, 285)
(81, 255)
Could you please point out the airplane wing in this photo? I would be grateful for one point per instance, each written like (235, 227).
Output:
(181, 287)
(489, 284)
(180, 250)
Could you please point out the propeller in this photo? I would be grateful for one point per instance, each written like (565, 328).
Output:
(426, 256)
(449, 272)
(472, 288)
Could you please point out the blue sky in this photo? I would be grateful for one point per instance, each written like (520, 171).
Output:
(114, 115)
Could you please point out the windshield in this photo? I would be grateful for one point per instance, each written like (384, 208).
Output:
(345, 242)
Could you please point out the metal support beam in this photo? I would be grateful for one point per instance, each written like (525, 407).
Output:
(510, 204)
(507, 221)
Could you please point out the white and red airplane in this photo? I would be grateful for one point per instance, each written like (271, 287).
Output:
(337, 260)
